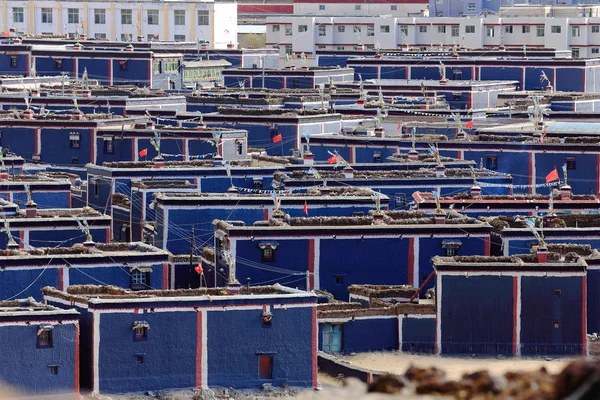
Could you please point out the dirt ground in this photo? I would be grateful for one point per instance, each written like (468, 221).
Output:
(455, 367)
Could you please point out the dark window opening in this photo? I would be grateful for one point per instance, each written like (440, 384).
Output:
(451, 251)
(139, 358)
(456, 96)
(400, 199)
(75, 160)
(140, 333)
(268, 254)
(58, 64)
(571, 164)
(557, 292)
(257, 184)
(44, 338)
(96, 184)
(74, 140)
(339, 279)
(265, 367)
(108, 145)
(273, 132)
(53, 369)
(491, 162)
(122, 65)
(556, 324)
(140, 280)
(239, 147)
(13, 62)
(358, 214)
(377, 156)
(457, 74)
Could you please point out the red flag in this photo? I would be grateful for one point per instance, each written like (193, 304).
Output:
(199, 269)
(143, 153)
(552, 176)
(332, 160)
(277, 138)
(469, 124)
(305, 208)
(399, 126)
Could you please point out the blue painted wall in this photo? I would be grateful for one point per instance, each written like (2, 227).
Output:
(234, 363)
(25, 367)
(418, 335)
(593, 300)
(477, 315)
(370, 335)
(541, 308)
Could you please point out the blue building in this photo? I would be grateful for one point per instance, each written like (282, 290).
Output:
(525, 158)
(209, 176)
(332, 253)
(398, 184)
(156, 340)
(47, 190)
(131, 265)
(41, 350)
(289, 78)
(511, 306)
(178, 213)
(391, 324)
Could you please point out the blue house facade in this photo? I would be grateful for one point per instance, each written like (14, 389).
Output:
(331, 254)
(171, 340)
(508, 306)
(40, 342)
(289, 78)
(137, 266)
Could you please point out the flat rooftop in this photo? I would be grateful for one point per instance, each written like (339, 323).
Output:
(519, 262)
(577, 221)
(99, 249)
(422, 173)
(30, 307)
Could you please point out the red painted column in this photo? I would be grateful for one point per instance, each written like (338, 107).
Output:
(411, 261)
(584, 313)
(266, 214)
(165, 273)
(107, 235)
(21, 236)
(515, 343)
(199, 349)
(487, 246)
(61, 279)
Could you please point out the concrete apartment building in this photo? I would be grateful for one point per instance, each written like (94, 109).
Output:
(187, 20)
(574, 28)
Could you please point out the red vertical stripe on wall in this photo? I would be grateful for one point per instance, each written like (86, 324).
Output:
(311, 264)
(165, 276)
(76, 370)
(487, 246)
(21, 237)
(315, 381)
(92, 146)
(598, 173)
(69, 199)
(61, 279)
(198, 349)
(351, 156)
(515, 316)
(107, 235)
(411, 260)
(266, 214)
(584, 314)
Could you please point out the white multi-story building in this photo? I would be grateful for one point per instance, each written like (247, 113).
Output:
(295, 34)
(183, 20)
(353, 8)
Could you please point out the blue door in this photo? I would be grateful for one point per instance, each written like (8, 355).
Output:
(332, 338)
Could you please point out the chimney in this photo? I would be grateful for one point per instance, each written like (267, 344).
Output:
(159, 162)
(566, 192)
(218, 161)
(200, 126)
(140, 38)
(27, 114)
(35, 92)
(150, 125)
(348, 172)
(77, 46)
(232, 190)
(308, 158)
(475, 192)
(324, 191)
(86, 93)
(379, 132)
(542, 254)
(4, 173)
(439, 217)
(439, 171)
(413, 155)
(88, 246)
(77, 115)
(377, 217)
(12, 247)
(17, 40)
(129, 47)
(31, 209)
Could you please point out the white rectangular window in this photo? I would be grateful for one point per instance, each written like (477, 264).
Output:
(404, 29)
(356, 29)
(288, 30)
(595, 50)
(575, 31)
(575, 52)
(321, 7)
(341, 28)
(556, 29)
(126, 17)
(100, 16)
(525, 29)
(99, 35)
(179, 17)
(422, 29)
(203, 18)
(370, 30)
(152, 16)
(508, 29)
(18, 14)
(489, 31)
(322, 30)
(539, 30)
(455, 31)
(471, 7)
(288, 49)
(595, 28)
(441, 28)
(274, 28)
(394, 7)
(470, 29)
(73, 15)
(152, 37)
(384, 29)
(302, 28)
(46, 15)
(179, 38)
(357, 7)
